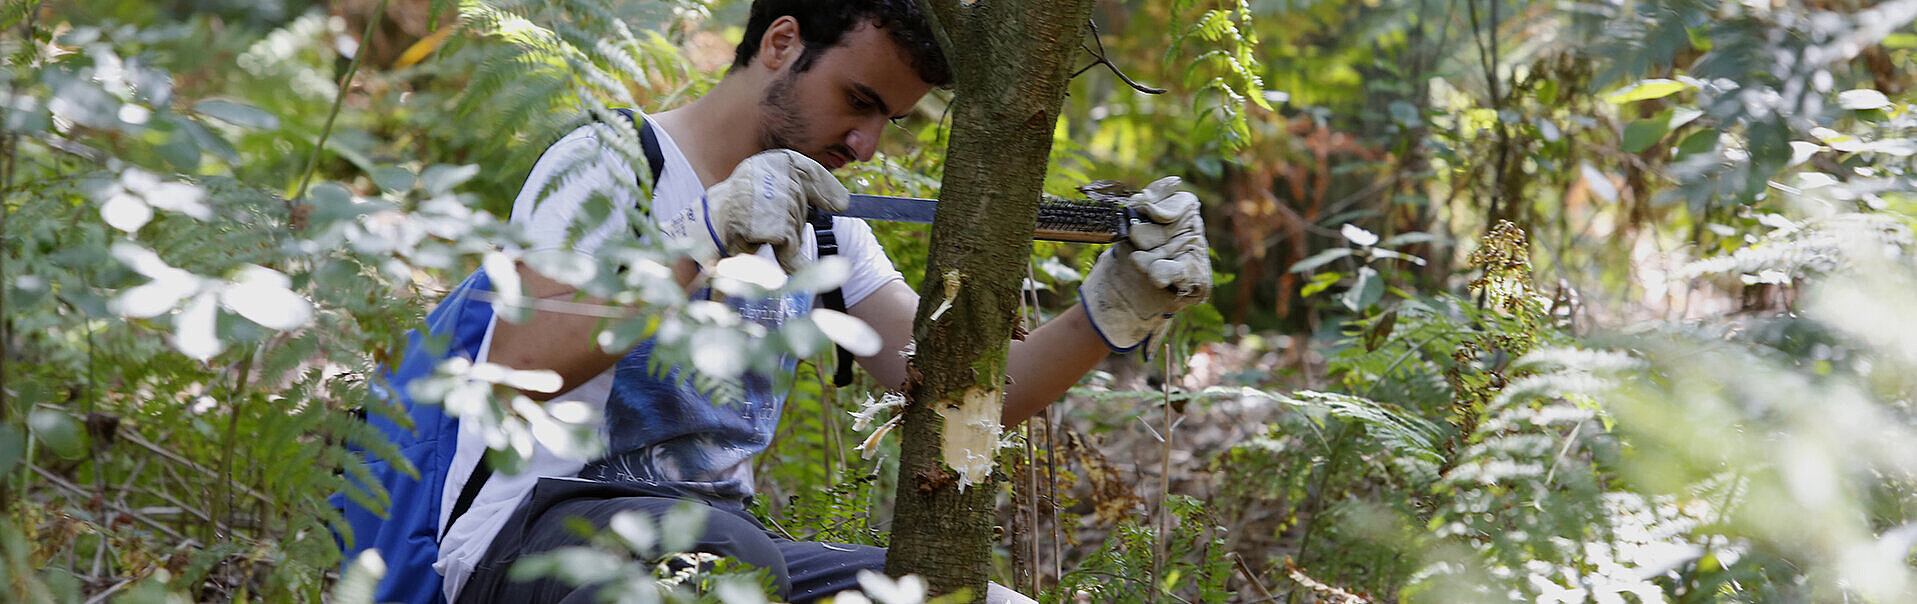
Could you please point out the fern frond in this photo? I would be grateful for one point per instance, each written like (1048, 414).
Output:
(1391, 426)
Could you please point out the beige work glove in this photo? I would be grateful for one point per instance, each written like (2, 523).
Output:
(1164, 266)
(764, 202)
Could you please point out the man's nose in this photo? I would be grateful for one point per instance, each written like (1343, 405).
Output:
(864, 140)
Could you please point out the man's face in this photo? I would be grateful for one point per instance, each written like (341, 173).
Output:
(835, 111)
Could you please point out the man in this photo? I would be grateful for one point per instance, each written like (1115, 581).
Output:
(811, 89)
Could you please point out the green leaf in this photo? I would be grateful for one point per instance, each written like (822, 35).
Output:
(564, 266)
(1366, 292)
(356, 585)
(1059, 271)
(1320, 259)
(1319, 282)
(393, 178)
(681, 527)
(1380, 330)
(181, 150)
(25, 291)
(1655, 88)
(441, 179)
(1388, 254)
(1641, 134)
(1683, 115)
(1862, 99)
(1704, 141)
(1357, 235)
(211, 142)
(58, 431)
(1410, 238)
(847, 331)
(13, 447)
(237, 114)
(1900, 40)
(635, 528)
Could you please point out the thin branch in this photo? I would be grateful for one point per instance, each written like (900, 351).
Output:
(128, 435)
(102, 596)
(1099, 54)
(1051, 494)
(236, 396)
(11, 145)
(1160, 549)
(941, 35)
(1146, 584)
(345, 81)
(77, 490)
(1032, 497)
(1264, 595)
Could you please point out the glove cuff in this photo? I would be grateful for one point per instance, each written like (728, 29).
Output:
(1118, 319)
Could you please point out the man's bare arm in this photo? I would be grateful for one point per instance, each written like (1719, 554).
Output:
(560, 341)
(1043, 365)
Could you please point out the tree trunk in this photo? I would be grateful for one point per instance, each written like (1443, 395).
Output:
(1011, 61)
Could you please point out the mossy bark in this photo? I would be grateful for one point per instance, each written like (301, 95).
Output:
(1011, 63)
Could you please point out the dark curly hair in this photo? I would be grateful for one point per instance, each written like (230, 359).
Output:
(822, 22)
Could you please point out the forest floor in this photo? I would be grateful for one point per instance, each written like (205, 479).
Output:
(1112, 457)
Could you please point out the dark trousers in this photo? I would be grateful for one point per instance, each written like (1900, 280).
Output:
(801, 571)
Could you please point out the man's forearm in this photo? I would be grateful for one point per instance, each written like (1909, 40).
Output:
(1042, 366)
(1048, 362)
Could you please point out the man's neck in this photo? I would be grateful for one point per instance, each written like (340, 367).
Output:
(708, 129)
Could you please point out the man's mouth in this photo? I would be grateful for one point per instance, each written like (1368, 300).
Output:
(836, 158)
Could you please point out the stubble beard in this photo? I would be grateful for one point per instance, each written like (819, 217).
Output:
(781, 126)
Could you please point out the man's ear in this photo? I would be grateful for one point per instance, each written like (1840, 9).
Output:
(780, 44)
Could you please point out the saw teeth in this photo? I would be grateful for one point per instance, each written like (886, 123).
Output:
(1085, 216)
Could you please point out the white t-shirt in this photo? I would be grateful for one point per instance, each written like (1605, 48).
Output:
(707, 449)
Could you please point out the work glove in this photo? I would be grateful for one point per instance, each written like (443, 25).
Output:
(764, 202)
(1162, 267)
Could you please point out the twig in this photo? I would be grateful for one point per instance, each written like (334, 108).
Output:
(185, 509)
(1569, 439)
(1120, 577)
(1031, 448)
(139, 466)
(782, 531)
(1264, 595)
(56, 480)
(1486, 38)
(1394, 364)
(102, 596)
(1051, 495)
(1164, 477)
(236, 393)
(828, 398)
(129, 435)
(345, 81)
(11, 145)
(1103, 60)
(1316, 499)
(940, 36)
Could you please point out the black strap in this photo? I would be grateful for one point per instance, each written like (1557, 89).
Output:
(482, 471)
(656, 161)
(835, 300)
(821, 230)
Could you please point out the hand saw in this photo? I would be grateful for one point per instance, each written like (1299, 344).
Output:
(1059, 219)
